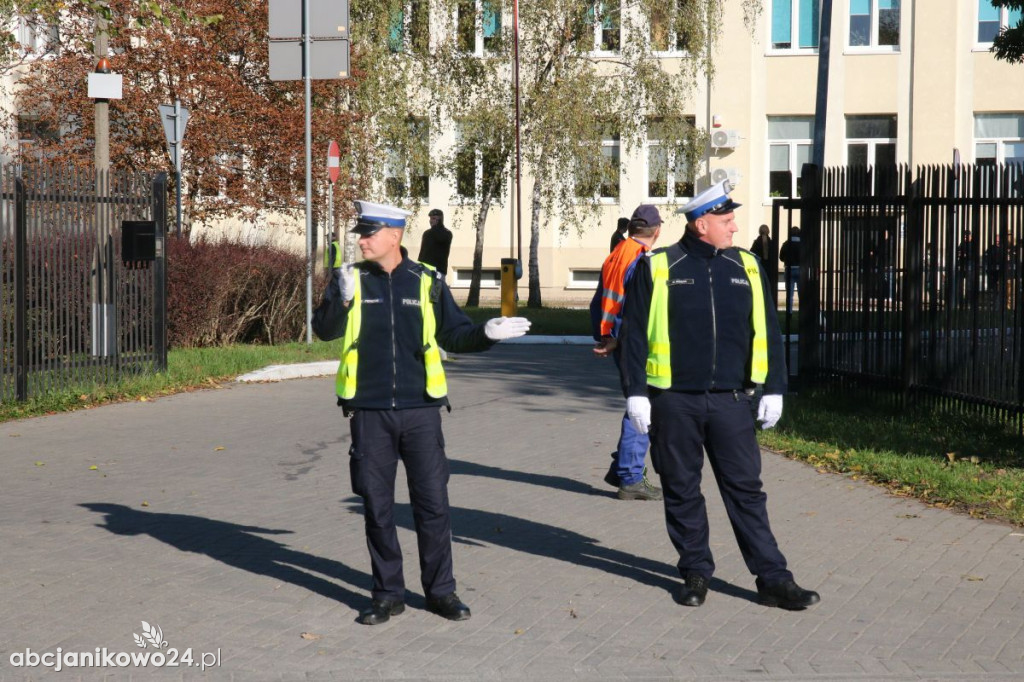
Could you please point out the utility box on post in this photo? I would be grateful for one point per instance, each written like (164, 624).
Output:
(138, 241)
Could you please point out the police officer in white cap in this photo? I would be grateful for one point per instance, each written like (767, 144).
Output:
(394, 315)
(699, 334)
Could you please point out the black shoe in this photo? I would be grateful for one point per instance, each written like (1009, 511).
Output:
(380, 611)
(695, 590)
(786, 595)
(612, 478)
(449, 606)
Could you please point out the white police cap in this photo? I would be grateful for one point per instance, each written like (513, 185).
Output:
(373, 217)
(714, 199)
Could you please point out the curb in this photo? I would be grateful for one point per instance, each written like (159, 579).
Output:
(329, 367)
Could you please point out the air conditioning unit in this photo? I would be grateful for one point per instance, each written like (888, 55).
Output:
(730, 174)
(725, 139)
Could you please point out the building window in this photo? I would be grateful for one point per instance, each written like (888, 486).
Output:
(670, 168)
(35, 36)
(478, 26)
(669, 29)
(410, 27)
(583, 278)
(477, 168)
(795, 24)
(875, 23)
(790, 141)
(490, 278)
(406, 171)
(999, 138)
(871, 141)
(605, 16)
(992, 20)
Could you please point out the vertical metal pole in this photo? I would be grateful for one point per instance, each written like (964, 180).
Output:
(821, 102)
(177, 165)
(160, 274)
(306, 76)
(519, 175)
(20, 294)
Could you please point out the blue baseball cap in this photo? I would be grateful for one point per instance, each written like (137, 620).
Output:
(372, 217)
(714, 199)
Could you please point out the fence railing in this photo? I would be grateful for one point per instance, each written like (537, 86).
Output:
(73, 312)
(912, 282)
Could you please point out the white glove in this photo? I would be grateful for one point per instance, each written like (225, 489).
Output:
(347, 282)
(638, 409)
(501, 328)
(769, 410)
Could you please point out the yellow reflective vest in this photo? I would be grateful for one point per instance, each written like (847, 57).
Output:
(659, 348)
(347, 384)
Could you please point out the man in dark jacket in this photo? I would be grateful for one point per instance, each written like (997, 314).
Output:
(394, 314)
(699, 334)
(436, 243)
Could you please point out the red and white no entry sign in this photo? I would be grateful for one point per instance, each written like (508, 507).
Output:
(333, 161)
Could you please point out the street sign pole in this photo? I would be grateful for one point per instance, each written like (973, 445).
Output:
(177, 166)
(307, 77)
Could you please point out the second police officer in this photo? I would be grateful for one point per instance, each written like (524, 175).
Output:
(395, 315)
(699, 334)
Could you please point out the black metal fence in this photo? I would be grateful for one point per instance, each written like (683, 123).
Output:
(911, 281)
(73, 312)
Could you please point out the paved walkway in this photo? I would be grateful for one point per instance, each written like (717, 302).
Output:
(225, 518)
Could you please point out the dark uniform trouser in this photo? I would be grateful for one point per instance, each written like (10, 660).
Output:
(682, 426)
(379, 438)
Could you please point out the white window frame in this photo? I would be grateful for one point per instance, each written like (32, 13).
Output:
(792, 144)
(615, 144)
(671, 157)
(1004, 22)
(479, 41)
(402, 169)
(999, 142)
(36, 37)
(598, 27)
(673, 36)
(407, 17)
(462, 278)
(873, 45)
(871, 142)
(578, 282)
(794, 31)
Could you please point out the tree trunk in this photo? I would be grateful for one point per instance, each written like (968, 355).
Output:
(533, 301)
(478, 254)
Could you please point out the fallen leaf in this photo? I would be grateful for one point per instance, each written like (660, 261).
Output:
(143, 399)
(145, 504)
(40, 464)
(310, 636)
(951, 456)
(219, 447)
(974, 459)
(973, 578)
(93, 468)
(902, 539)
(14, 435)
(519, 631)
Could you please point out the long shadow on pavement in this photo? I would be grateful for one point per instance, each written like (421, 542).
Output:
(238, 546)
(464, 468)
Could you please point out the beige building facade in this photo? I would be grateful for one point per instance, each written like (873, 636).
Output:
(909, 82)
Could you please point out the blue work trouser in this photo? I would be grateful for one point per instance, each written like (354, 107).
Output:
(379, 439)
(683, 426)
(632, 449)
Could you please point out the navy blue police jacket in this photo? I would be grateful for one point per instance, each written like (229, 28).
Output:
(391, 373)
(711, 329)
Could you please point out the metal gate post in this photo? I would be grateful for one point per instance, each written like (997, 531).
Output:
(160, 273)
(20, 292)
(810, 270)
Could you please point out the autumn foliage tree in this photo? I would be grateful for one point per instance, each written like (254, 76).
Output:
(243, 152)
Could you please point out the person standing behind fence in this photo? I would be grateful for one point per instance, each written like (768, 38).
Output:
(762, 246)
(965, 270)
(620, 233)
(995, 271)
(789, 254)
